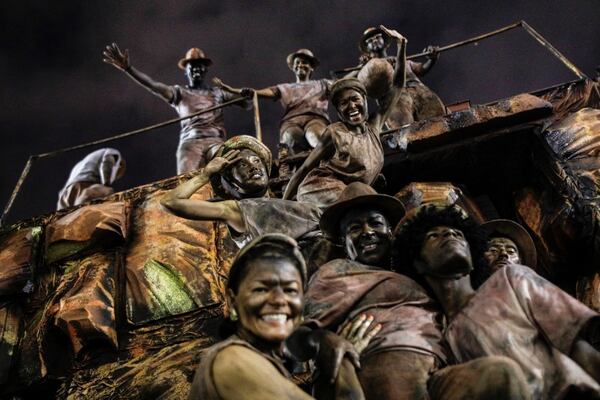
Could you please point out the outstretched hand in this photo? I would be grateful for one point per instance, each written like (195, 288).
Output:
(357, 331)
(393, 34)
(332, 350)
(217, 164)
(434, 52)
(115, 57)
(217, 82)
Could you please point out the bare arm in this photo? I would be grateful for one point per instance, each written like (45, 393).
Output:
(268, 93)
(421, 69)
(120, 60)
(323, 150)
(587, 357)
(398, 80)
(178, 201)
(240, 373)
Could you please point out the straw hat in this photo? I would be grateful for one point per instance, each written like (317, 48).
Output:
(306, 53)
(518, 234)
(194, 54)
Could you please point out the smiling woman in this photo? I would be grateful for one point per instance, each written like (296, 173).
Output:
(265, 294)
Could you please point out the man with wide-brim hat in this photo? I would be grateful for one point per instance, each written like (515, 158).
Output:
(508, 243)
(199, 133)
(418, 101)
(239, 173)
(364, 286)
(304, 101)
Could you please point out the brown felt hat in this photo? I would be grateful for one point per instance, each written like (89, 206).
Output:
(306, 53)
(518, 234)
(372, 31)
(194, 54)
(355, 195)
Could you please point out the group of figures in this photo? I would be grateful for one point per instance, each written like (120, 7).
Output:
(423, 302)
(305, 104)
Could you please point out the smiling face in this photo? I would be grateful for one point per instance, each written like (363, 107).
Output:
(368, 236)
(195, 72)
(375, 43)
(500, 252)
(302, 68)
(445, 253)
(249, 174)
(351, 106)
(269, 300)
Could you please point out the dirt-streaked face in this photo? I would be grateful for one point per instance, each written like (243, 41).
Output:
(269, 300)
(375, 43)
(195, 72)
(368, 237)
(351, 106)
(445, 253)
(249, 173)
(302, 67)
(500, 252)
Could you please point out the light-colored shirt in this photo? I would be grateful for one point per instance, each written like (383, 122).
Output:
(520, 315)
(88, 169)
(302, 98)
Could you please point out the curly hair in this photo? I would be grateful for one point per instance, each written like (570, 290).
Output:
(410, 234)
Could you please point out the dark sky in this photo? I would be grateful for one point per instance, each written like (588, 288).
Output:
(56, 91)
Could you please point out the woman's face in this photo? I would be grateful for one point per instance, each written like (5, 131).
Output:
(351, 106)
(269, 299)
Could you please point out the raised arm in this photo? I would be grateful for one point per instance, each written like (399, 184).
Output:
(178, 202)
(421, 69)
(398, 80)
(120, 60)
(268, 93)
(323, 150)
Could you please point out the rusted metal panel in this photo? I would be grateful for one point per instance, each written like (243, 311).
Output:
(18, 253)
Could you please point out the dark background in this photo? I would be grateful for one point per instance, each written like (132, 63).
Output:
(56, 92)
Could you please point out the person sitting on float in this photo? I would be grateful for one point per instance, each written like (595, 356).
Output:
(539, 334)
(406, 345)
(350, 150)
(265, 293)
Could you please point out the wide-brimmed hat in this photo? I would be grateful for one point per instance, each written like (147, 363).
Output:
(355, 195)
(266, 242)
(518, 234)
(306, 53)
(240, 142)
(194, 54)
(372, 31)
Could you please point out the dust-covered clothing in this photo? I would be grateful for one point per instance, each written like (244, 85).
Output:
(196, 131)
(271, 215)
(520, 315)
(400, 358)
(303, 98)
(85, 181)
(204, 387)
(358, 157)
(342, 289)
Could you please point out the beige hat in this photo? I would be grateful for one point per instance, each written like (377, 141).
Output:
(516, 233)
(194, 54)
(306, 53)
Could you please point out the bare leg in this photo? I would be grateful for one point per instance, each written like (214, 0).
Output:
(314, 130)
(191, 154)
(293, 137)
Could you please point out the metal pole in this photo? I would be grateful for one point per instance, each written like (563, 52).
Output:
(17, 188)
(535, 34)
(50, 154)
(257, 127)
(447, 47)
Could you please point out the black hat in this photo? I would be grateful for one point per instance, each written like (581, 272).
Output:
(355, 195)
